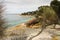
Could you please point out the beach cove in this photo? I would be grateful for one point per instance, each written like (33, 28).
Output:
(22, 32)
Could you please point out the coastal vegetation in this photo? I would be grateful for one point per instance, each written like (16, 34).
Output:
(2, 22)
(50, 14)
(55, 4)
(46, 15)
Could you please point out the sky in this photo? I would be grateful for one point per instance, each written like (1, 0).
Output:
(21, 6)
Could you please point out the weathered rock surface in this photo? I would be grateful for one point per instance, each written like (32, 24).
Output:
(21, 32)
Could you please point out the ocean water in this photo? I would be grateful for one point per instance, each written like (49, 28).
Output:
(13, 20)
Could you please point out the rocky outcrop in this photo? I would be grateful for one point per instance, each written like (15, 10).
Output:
(32, 22)
(22, 31)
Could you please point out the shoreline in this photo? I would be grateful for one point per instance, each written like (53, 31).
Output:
(27, 15)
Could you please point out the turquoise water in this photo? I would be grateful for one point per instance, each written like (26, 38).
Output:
(12, 20)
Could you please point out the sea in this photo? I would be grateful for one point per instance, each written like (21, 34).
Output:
(13, 19)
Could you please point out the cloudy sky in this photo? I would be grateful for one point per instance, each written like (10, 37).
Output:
(20, 6)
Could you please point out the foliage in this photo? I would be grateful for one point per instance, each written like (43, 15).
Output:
(48, 13)
(1, 19)
(55, 4)
(48, 17)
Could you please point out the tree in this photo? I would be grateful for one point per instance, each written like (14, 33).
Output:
(49, 14)
(1, 19)
(55, 4)
(49, 17)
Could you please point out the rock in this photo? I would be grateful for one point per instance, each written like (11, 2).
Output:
(57, 26)
(17, 30)
(43, 36)
(31, 22)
